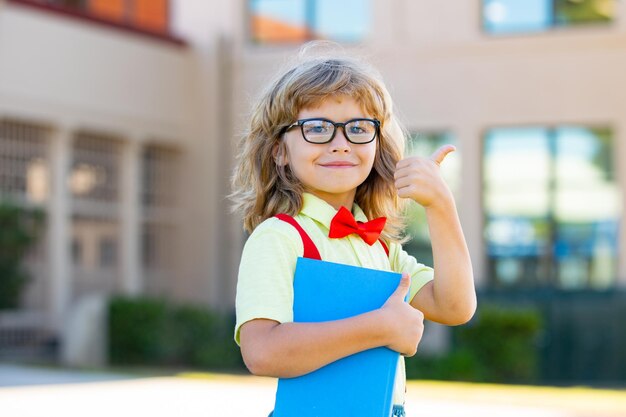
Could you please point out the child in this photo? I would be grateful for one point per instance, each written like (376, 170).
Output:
(324, 136)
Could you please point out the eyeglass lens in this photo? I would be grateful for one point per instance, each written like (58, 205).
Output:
(321, 131)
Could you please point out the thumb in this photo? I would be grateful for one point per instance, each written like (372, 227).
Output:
(439, 155)
(403, 287)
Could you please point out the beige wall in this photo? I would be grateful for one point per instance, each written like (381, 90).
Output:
(446, 74)
(443, 71)
(79, 73)
(73, 75)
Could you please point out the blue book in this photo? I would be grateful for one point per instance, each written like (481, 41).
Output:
(357, 385)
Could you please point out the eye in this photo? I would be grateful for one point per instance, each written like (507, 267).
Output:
(317, 127)
(356, 129)
(359, 127)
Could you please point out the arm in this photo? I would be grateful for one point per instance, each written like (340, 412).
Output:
(293, 349)
(450, 298)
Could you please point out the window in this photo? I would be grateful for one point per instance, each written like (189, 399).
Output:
(95, 169)
(148, 15)
(77, 252)
(160, 178)
(160, 201)
(424, 144)
(95, 185)
(295, 21)
(108, 252)
(523, 16)
(552, 207)
(24, 170)
(160, 254)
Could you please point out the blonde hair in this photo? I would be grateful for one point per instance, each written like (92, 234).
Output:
(262, 187)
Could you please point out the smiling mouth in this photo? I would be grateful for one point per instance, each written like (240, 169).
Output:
(338, 165)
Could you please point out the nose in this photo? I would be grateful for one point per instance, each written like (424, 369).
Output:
(339, 142)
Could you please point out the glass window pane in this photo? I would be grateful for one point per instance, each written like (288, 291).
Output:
(584, 172)
(70, 4)
(516, 170)
(279, 20)
(151, 15)
(516, 200)
(114, 10)
(276, 21)
(569, 12)
(552, 207)
(160, 177)
(515, 16)
(509, 16)
(77, 252)
(24, 169)
(108, 252)
(346, 21)
(94, 249)
(587, 208)
(95, 168)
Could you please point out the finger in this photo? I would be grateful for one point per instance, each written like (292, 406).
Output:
(408, 181)
(403, 287)
(403, 163)
(404, 192)
(405, 168)
(439, 155)
(407, 162)
(403, 173)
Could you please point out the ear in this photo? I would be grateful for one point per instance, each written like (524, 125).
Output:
(280, 154)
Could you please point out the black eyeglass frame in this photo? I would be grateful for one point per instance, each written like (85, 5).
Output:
(335, 126)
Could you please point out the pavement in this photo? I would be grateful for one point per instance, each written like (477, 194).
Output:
(29, 391)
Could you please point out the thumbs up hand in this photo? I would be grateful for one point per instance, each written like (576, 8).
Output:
(403, 323)
(419, 178)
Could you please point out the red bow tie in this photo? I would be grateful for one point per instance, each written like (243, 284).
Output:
(344, 224)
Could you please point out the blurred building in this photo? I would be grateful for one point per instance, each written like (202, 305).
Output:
(119, 118)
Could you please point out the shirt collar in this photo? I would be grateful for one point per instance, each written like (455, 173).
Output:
(322, 212)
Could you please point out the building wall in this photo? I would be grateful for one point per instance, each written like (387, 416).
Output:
(69, 76)
(72, 77)
(78, 72)
(446, 74)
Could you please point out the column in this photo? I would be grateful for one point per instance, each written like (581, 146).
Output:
(59, 238)
(470, 200)
(130, 224)
(619, 142)
(620, 11)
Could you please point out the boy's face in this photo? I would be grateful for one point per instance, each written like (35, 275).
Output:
(331, 171)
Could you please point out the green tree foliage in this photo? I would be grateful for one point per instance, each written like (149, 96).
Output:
(145, 331)
(584, 11)
(498, 345)
(19, 230)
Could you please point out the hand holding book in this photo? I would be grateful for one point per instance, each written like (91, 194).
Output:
(329, 292)
(405, 323)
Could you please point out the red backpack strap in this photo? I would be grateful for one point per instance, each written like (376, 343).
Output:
(310, 250)
(385, 247)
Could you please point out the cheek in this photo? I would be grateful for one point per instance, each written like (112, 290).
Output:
(297, 160)
(290, 151)
(369, 154)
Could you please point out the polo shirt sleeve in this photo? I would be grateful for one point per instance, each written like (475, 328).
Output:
(265, 280)
(401, 262)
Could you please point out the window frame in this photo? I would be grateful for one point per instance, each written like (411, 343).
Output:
(310, 12)
(552, 27)
(553, 279)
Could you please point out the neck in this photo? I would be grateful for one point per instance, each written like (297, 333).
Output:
(336, 200)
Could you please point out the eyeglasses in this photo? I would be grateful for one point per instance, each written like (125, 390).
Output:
(320, 131)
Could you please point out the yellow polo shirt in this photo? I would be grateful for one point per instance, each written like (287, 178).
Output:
(268, 264)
